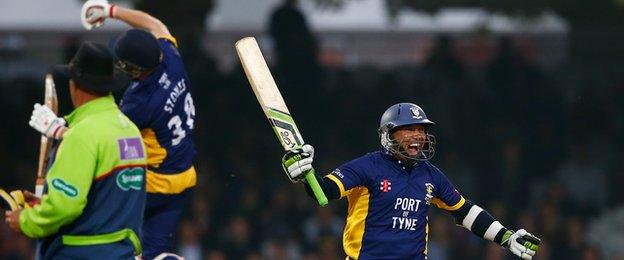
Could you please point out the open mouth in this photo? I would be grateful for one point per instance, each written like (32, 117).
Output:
(413, 148)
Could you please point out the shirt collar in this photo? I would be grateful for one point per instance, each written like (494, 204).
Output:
(94, 106)
(406, 166)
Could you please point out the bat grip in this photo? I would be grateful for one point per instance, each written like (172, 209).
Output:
(532, 239)
(39, 191)
(316, 188)
(39, 187)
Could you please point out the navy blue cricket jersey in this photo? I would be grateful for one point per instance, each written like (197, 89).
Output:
(388, 205)
(162, 107)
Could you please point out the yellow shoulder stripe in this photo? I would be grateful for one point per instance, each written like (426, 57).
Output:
(443, 205)
(339, 183)
(171, 39)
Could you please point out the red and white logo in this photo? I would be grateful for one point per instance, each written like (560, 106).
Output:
(385, 185)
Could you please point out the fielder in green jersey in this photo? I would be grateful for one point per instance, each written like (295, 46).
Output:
(95, 197)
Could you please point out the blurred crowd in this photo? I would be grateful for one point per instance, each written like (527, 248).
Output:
(539, 148)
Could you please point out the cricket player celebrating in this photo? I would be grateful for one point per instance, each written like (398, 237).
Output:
(390, 192)
(158, 100)
(96, 185)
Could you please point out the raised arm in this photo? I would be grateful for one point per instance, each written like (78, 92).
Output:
(299, 161)
(141, 20)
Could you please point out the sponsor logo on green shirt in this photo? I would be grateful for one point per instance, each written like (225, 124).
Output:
(68, 189)
(131, 179)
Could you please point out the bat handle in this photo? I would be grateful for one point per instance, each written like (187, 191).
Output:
(532, 239)
(316, 188)
(39, 187)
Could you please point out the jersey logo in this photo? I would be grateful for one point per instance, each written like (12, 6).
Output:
(416, 112)
(130, 148)
(131, 179)
(385, 185)
(337, 173)
(429, 195)
(64, 187)
(164, 81)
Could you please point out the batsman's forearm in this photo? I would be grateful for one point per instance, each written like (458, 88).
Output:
(480, 222)
(331, 190)
(316, 188)
(141, 20)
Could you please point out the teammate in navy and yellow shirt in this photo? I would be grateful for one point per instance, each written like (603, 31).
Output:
(391, 191)
(159, 101)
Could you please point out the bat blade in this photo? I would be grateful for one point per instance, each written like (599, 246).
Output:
(50, 100)
(272, 103)
(267, 93)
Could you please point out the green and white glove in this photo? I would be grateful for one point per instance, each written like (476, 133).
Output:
(521, 243)
(298, 162)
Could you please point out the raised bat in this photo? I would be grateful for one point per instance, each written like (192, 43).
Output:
(50, 100)
(273, 104)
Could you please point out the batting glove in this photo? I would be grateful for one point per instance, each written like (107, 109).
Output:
(94, 12)
(297, 162)
(46, 122)
(521, 243)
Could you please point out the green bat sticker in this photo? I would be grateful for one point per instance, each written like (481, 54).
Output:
(290, 137)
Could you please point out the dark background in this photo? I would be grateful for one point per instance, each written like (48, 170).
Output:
(537, 144)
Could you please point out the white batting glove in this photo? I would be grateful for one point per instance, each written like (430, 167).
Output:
(523, 244)
(297, 162)
(46, 122)
(94, 12)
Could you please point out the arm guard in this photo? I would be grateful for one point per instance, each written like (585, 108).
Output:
(329, 187)
(480, 222)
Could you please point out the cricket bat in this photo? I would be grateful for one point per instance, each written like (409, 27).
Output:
(273, 105)
(50, 101)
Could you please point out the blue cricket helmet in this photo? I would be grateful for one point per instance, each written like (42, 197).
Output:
(137, 51)
(403, 114)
